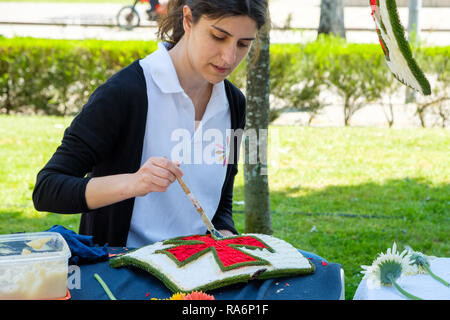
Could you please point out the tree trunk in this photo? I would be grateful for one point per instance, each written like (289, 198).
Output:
(421, 113)
(347, 111)
(8, 104)
(414, 7)
(389, 115)
(443, 114)
(332, 17)
(413, 37)
(257, 203)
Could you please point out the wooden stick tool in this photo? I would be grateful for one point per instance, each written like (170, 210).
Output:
(199, 209)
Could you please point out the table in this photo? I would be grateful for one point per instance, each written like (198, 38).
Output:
(129, 283)
(420, 285)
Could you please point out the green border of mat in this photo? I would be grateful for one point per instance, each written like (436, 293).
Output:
(261, 274)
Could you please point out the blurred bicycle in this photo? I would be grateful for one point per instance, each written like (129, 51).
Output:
(128, 17)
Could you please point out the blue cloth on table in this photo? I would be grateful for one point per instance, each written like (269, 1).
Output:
(130, 283)
(82, 247)
(311, 255)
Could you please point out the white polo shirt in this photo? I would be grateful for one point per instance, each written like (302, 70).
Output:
(170, 132)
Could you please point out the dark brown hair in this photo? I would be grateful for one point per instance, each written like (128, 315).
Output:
(170, 26)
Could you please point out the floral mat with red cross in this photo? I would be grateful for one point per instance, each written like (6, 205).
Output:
(204, 262)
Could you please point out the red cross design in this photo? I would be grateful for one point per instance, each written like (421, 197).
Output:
(226, 251)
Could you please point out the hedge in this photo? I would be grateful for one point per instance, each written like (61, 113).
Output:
(57, 76)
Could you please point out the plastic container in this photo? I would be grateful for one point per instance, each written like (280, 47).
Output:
(33, 266)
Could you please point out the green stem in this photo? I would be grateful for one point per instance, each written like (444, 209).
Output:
(105, 287)
(407, 294)
(445, 283)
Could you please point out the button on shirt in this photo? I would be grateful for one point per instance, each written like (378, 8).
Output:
(201, 148)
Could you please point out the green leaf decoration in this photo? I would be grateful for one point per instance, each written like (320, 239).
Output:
(396, 48)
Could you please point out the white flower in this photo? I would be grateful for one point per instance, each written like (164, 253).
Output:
(418, 261)
(387, 266)
(421, 264)
(372, 276)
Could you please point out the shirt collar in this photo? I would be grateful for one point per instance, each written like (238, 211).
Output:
(218, 100)
(163, 71)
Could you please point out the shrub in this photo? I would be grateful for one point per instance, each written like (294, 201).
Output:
(298, 78)
(436, 64)
(357, 73)
(56, 77)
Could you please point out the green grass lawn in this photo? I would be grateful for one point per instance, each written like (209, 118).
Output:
(343, 193)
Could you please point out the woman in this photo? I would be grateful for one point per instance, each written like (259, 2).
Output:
(113, 163)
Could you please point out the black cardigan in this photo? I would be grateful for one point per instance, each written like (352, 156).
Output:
(106, 138)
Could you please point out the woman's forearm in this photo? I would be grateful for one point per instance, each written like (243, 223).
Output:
(104, 191)
(156, 175)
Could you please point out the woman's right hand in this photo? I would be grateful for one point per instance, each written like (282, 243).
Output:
(156, 175)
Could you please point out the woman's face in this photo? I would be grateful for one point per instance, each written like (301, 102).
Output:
(216, 47)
